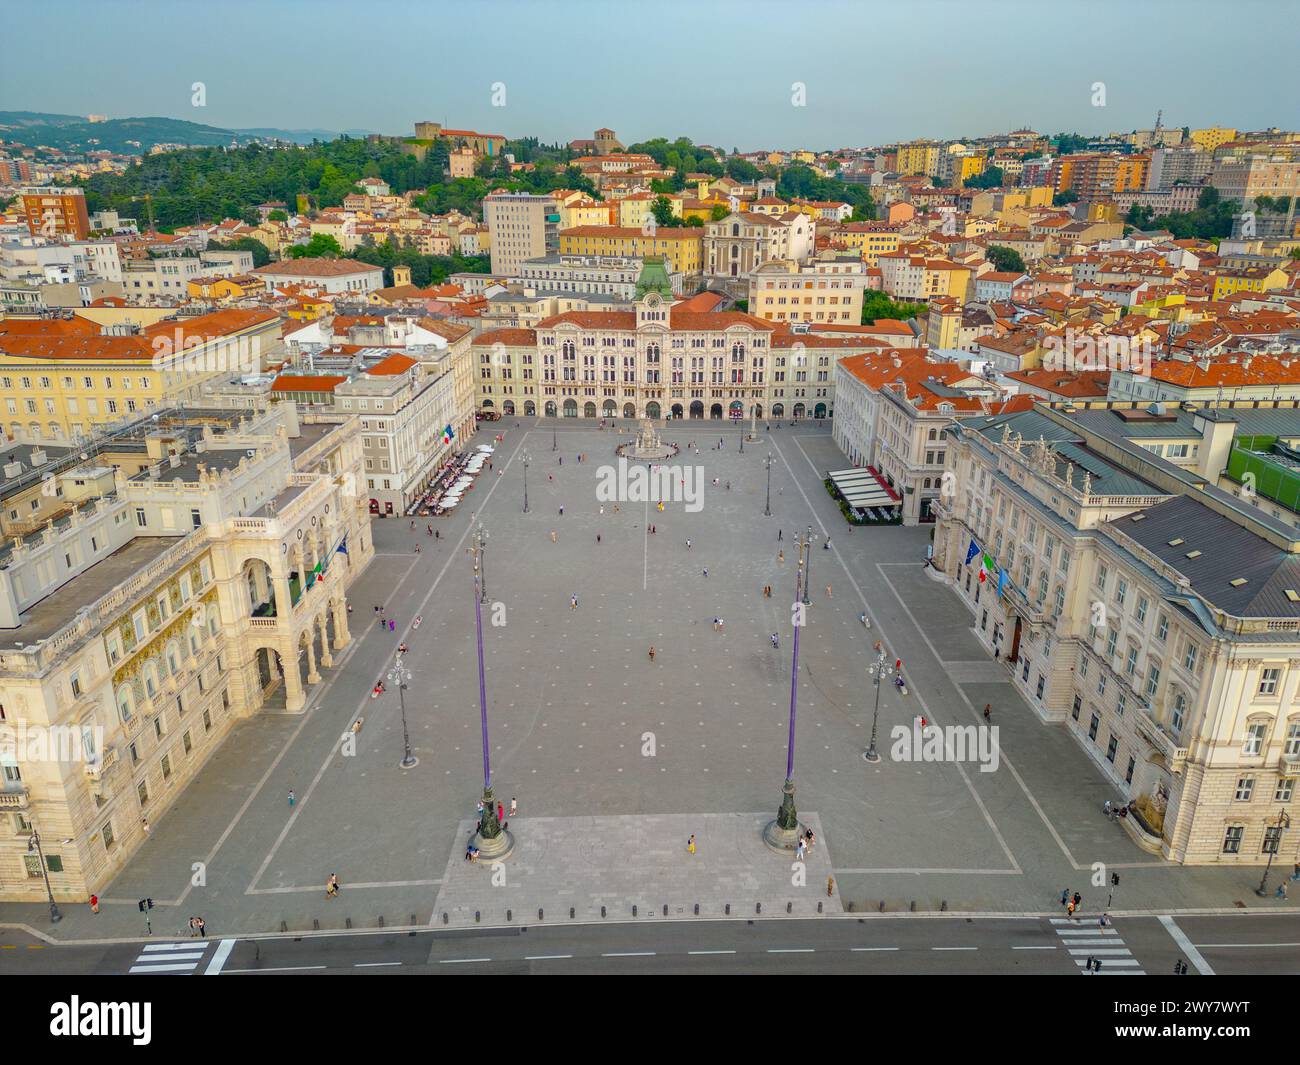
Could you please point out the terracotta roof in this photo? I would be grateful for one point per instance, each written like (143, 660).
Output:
(391, 366)
(307, 382)
(315, 268)
(513, 338)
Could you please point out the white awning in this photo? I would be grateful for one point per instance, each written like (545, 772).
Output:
(861, 489)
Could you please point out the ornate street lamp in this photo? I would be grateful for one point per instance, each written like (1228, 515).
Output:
(481, 562)
(34, 844)
(400, 675)
(1283, 822)
(782, 834)
(491, 840)
(767, 507)
(877, 671)
(527, 458)
(807, 575)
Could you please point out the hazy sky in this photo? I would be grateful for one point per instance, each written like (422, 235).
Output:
(718, 72)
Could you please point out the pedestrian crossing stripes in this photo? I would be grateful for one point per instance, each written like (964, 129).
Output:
(184, 957)
(1085, 938)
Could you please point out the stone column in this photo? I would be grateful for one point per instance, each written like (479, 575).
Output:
(342, 637)
(293, 693)
(313, 677)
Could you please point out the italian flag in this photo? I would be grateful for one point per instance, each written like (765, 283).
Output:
(990, 567)
(448, 435)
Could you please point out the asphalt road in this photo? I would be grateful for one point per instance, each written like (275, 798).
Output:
(953, 945)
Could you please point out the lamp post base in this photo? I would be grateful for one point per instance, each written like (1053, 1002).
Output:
(496, 849)
(782, 834)
(871, 755)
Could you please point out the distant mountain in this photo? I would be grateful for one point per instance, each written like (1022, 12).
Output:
(72, 133)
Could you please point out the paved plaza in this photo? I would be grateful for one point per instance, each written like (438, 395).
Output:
(615, 759)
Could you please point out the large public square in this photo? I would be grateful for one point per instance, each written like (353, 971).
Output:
(615, 759)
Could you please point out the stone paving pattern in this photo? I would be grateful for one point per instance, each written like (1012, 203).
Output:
(572, 693)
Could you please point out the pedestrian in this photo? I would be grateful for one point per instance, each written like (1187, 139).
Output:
(573, 602)
(780, 556)
(1177, 967)
(776, 640)
(652, 652)
(826, 545)
(690, 845)
(779, 534)
(721, 624)
(514, 805)
(1096, 966)
(706, 572)
(94, 904)
(1087, 965)
(1104, 920)
(203, 928)
(561, 510)
(830, 886)
(598, 538)
(828, 591)
(392, 626)
(1069, 909)
(144, 823)
(1065, 896)
(552, 536)
(602, 509)
(292, 800)
(332, 886)
(688, 543)
(1078, 899)
(501, 810)
(194, 927)
(798, 851)
(987, 710)
(1281, 890)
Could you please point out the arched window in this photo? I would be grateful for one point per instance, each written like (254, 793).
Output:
(567, 349)
(125, 703)
(1179, 713)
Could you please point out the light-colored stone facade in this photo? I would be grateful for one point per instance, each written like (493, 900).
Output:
(1188, 707)
(209, 588)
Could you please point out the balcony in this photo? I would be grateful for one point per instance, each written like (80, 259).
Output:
(15, 797)
(106, 764)
(1156, 735)
(1289, 765)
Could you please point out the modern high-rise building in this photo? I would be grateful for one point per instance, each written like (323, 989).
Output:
(522, 226)
(56, 213)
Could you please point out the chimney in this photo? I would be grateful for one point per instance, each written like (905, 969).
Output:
(38, 457)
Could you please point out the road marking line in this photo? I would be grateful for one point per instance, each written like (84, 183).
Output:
(1109, 961)
(218, 961)
(163, 968)
(954, 948)
(1033, 948)
(791, 950)
(860, 950)
(546, 957)
(462, 961)
(1226, 945)
(175, 946)
(710, 952)
(374, 964)
(1180, 937)
(632, 954)
(277, 969)
(1099, 951)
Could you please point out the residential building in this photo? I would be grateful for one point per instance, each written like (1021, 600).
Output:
(522, 226)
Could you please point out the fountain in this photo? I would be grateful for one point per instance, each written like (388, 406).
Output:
(647, 446)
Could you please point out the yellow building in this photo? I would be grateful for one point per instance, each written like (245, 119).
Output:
(968, 166)
(919, 157)
(1212, 137)
(635, 209)
(584, 213)
(681, 247)
(225, 288)
(61, 378)
(1251, 279)
(870, 240)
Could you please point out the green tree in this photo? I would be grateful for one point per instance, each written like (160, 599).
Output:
(1005, 260)
(992, 178)
(277, 216)
(662, 209)
(719, 211)
(1062, 198)
(321, 246)
(877, 305)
